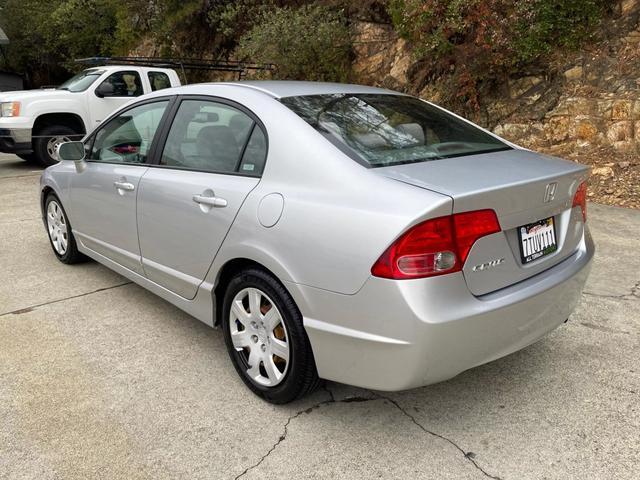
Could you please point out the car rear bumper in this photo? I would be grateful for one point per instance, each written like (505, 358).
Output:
(395, 335)
(15, 140)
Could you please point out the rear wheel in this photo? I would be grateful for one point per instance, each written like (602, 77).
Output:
(265, 338)
(59, 231)
(47, 141)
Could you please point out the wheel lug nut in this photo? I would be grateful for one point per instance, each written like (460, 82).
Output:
(254, 338)
(263, 347)
(254, 325)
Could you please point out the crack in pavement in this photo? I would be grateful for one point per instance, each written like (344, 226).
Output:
(469, 456)
(633, 294)
(33, 307)
(284, 435)
(601, 328)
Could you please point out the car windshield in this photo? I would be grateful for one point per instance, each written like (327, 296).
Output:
(380, 130)
(81, 81)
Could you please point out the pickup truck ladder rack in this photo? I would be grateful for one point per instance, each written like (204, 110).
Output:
(241, 68)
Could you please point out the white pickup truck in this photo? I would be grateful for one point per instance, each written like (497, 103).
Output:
(34, 122)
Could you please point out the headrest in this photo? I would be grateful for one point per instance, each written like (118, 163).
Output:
(205, 117)
(413, 129)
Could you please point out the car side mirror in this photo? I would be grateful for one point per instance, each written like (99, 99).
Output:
(73, 151)
(105, 89)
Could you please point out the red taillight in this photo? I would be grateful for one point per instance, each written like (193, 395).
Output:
(435, 247)
(470, 226)
(580, 200)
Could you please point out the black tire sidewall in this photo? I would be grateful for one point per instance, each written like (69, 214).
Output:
(40, 143)
(301, 366)
(27, 157)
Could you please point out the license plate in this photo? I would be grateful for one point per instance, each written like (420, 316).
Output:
(537, 240)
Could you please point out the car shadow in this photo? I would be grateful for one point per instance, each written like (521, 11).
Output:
(511, 380)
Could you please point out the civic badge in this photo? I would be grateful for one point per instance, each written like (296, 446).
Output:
(550, 192)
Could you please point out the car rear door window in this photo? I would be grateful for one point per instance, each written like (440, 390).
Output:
(212, 137)
(127, 138)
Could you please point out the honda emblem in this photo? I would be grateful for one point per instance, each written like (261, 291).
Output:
(550, 192)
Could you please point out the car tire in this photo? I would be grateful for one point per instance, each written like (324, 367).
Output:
(27, 157)
(46, 141)
(254, 349)
(58, 227)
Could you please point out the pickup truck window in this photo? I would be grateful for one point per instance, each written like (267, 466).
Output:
(81, 81)
(125, 84)
(159, 80)
(127, 138)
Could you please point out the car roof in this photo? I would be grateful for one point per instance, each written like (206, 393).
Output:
(291, 88)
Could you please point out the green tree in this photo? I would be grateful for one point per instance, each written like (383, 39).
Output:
(481, 41)
(311, 42)
(45, 37)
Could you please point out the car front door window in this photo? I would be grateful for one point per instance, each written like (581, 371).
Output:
(127, 138)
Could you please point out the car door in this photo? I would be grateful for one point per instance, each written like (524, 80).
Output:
(212, 158)
(127, 84)
(103, 196)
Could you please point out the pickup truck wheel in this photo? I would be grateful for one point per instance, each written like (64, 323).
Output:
(47, 141)
(28, 157)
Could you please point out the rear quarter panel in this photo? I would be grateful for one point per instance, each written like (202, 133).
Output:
(338, 216)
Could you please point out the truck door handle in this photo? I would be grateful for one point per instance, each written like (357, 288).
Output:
(210, 201)
(129, 187)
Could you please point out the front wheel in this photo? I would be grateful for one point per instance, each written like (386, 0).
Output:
(59, 231)
(47, 141)
(265, 338)
(28, 157)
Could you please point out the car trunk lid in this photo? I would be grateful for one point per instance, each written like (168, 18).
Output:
(522, 187)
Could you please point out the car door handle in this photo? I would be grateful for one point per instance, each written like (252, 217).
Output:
(211, 201)
(129, 187)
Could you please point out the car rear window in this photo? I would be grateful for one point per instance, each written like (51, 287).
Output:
(380, 130)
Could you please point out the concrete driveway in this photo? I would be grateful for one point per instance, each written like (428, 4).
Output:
(100, 379)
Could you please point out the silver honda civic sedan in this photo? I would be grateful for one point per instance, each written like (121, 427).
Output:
(332, 231)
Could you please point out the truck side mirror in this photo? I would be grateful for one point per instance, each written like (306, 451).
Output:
(73, 151)
(105, 89)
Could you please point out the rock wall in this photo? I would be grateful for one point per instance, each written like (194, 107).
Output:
(598, 102)
(381, 58)
(586, 100)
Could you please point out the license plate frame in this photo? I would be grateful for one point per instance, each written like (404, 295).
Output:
(537, 240)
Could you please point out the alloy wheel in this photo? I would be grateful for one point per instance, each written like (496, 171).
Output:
(57, 227)
(259, 336)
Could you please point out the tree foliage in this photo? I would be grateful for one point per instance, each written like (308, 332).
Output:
(482, 39)
(45, 37)
(473, 40)
(311, 42)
